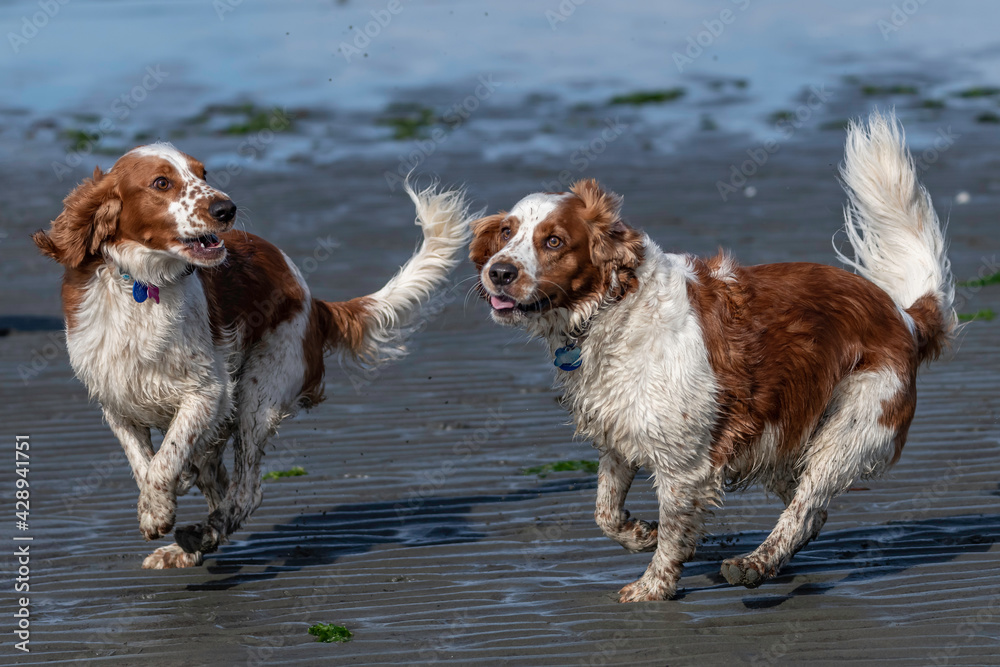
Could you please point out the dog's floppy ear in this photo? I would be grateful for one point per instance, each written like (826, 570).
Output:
(485, 238)
(613, 243)
(90, 215)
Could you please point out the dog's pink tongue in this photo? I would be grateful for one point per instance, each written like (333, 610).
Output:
(499, 303)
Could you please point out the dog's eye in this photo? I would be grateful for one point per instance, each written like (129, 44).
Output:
(161, 183)
(553, 242)
(505, 233)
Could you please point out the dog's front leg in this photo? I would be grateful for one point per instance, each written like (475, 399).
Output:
(682, 509)
(135, 441)
(614, 478)
(192, 425)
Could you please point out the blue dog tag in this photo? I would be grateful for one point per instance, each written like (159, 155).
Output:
(568, 358)
(139, 292)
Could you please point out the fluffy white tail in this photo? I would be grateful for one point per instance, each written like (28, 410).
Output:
(373, 329)
(890, 221)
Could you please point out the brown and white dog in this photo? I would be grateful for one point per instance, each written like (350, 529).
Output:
(800, 377)
(175, 322)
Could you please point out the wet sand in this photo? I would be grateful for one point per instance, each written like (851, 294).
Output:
(415, 526)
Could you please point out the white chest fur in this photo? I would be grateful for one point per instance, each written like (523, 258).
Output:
(143, 359)
(645, 386)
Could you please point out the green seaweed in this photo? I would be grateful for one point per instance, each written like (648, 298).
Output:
(988, 117)
(932, 104)
(897, 89)
(562, 466)
(297, 471)
(408, 121)
(782, 115)
(984, 314)
(328, 632)
(981, 282)
(258, 120)
(649, 97)
(80, 140)
(978, 91)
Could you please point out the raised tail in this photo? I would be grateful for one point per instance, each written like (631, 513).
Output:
(897, 239)
(373, 329)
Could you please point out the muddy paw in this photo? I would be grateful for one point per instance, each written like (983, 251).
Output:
(171, 556)
(153, 526)
(645, 589)
(637, 536)
(156, 516)
(745, 571)
(198, 537)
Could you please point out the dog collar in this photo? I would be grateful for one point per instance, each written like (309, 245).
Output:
(140, 290)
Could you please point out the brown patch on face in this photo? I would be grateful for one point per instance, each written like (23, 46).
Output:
(596, 248)
(152, 189)
(581, 249)
(780, 337)
(486, 239)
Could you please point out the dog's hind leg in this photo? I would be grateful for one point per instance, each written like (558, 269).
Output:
(269, 386)
(614, 478)
(243, 494)
(854, 441)
(213, 479)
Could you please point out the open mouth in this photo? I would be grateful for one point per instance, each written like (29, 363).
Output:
(205, 247)
(504, 305)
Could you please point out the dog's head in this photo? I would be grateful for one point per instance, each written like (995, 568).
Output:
(153, 214)
(567, 250)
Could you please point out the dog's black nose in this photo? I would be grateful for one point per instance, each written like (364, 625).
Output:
(503, 274)
(222, 210)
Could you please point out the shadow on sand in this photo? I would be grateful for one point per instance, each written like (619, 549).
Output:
(867, 552)
(318, 539)
(322, 539)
